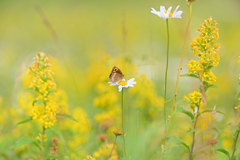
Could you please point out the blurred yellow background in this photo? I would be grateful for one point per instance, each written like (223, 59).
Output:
(84, 40)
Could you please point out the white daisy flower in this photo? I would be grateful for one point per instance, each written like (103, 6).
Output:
(123, 84)
(165, 14)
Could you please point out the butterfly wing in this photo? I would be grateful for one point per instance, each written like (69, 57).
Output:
(116, 75)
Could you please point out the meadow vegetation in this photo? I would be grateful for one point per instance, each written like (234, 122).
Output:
(178, 99)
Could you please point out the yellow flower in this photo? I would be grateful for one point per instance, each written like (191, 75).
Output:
(238, 60)
(104, 150)
(205, 47)
(41, 76)
(194, 66)
(193, 98)
(209, 77)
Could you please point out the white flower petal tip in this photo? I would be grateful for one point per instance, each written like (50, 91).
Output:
(124, 84)
(166, 14)
(156, 12)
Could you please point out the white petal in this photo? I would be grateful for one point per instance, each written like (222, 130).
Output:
(178, 14)
(156, 12)
(195, 110)
(162, 9)
(153, 10)
(119, 88)
(165, 15)
(169, 9)
(130, 80)
(176, 9)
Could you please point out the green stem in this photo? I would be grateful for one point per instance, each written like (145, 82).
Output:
(179, 70)
(41, 147)
(165, 84)
(123, 128)
(113, 147)
(194, 135)
(234, 147)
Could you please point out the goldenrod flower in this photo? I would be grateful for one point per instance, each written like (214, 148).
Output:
(194, 98)
(165, 14)
(124, 84)
(205, 47)
(41, 76)
(209, 77)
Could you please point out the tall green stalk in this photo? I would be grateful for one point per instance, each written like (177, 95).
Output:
(235, 144)
(176, 89)
(123, 129)
(179, 70)
(165, 83)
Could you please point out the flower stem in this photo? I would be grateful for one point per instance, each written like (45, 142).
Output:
(123, 128)
(214, 153)
(41, 147)
(113, 147)
(203, 91)
(165, 84)
(234, 147)
(194, 134)
(179, 70)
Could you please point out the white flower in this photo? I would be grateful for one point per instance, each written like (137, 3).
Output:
(123, 83)
(195, 110)
(165, 14)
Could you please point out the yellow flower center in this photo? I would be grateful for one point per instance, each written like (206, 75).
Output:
(170, 13)
(123, 83)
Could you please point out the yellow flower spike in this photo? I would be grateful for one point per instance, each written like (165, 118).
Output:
(39, 72)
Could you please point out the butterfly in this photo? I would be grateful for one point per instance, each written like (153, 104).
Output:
(116, 75)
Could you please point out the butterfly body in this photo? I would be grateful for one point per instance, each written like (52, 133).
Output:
(116, 75)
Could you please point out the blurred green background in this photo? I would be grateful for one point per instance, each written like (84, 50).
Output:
(77, 34)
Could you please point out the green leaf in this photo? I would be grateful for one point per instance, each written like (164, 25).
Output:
(208, 68)
(234, 130)
(190, 75)
(180, 109)
(58, 132)
(68, 116)
(221, 149)
(24, 121)
(210, 110)
(168, 100)
(52, 91)
(183, 103)
(174, 139)
(214, 86)
(193, 130)
(206, 86)
(224, 152)
(37, 102)
(21, 142)
(36, 144)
